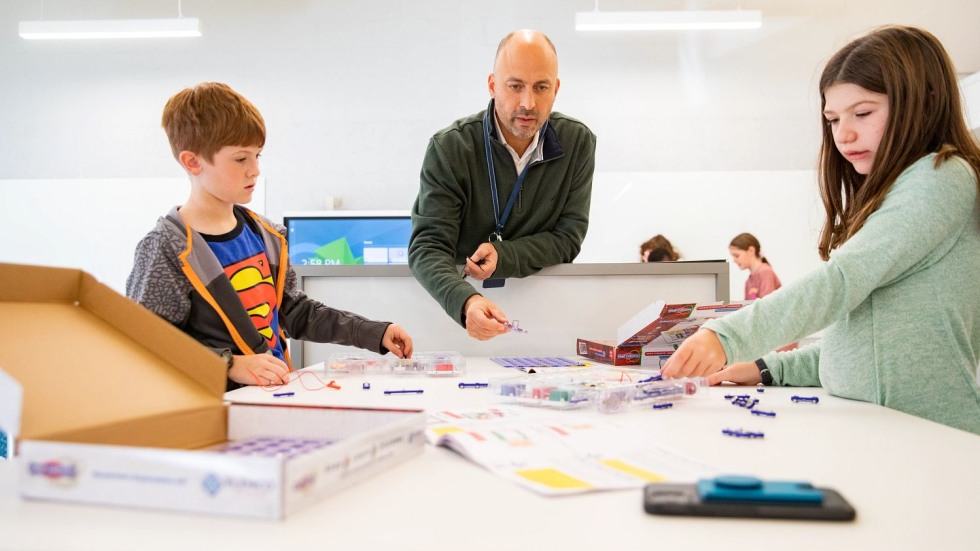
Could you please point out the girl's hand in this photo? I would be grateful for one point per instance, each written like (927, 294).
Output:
(698, 356)
(742, 373)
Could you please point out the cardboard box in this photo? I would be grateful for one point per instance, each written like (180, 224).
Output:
(608, 351)
(654, 333)
(117, 405)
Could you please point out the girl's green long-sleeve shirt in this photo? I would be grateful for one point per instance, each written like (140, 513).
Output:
(900, 301)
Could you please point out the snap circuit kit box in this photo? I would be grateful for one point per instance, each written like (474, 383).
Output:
(115, 406)
(653, 334)
(608, 351)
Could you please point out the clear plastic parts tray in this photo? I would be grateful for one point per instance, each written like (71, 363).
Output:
(441, 364)
(608, 390)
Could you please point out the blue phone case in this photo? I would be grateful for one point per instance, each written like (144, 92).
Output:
(748, 488)
(747, 499)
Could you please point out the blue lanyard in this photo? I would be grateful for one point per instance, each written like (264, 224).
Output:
(501, 218)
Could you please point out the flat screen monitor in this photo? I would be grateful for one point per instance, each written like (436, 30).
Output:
(348, 237)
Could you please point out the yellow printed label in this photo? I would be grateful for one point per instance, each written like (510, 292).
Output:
(553, 478)
(632, 470)
(446, 430)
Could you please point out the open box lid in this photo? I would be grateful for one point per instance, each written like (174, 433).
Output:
(651, 322)
(646, 324)
(96, 367)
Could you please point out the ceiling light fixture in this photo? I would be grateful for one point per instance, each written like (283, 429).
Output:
(667, 20)
(111, 28)
(181, 27)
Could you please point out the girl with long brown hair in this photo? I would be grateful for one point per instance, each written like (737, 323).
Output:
(898, 295)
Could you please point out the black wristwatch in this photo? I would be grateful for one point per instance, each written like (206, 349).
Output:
(764, 372)
(228, 357)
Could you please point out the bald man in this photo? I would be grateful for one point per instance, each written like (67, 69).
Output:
(526, 209)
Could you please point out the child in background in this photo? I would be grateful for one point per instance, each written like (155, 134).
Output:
(221, 272)
(746, 252)
(898, 294)
(658, 249)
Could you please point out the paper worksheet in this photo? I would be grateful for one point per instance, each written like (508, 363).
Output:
(559, 454)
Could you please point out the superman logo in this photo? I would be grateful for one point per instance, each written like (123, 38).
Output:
(252, 278)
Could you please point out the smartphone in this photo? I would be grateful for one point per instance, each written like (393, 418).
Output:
(685, 500)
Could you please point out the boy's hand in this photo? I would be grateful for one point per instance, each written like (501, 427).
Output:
(483, 263)
(397, 341)
(700, 355)
(484, 320)
(259, 369)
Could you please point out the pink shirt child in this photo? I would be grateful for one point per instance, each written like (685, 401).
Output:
(761, 282)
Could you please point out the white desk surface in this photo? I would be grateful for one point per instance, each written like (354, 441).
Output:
(915, 485)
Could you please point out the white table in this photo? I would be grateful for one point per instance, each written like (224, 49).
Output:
(914, 483)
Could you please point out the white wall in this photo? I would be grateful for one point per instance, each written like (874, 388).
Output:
(352, 89)
(971, 96)
(93, 224)
(700, 212)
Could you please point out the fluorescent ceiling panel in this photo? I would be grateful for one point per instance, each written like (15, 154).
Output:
(667, 20)
(111, 28)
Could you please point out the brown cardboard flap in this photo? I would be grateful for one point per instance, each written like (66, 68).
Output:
(38, 284)
(80, 372)
(186, 430)
(156, 334)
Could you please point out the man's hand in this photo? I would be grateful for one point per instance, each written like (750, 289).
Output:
(397, 341)
(483, 263)
(258, 369)
(484, 320)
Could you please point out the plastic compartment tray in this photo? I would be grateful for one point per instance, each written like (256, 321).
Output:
(525, 362)
(423, 363)
(607, 389)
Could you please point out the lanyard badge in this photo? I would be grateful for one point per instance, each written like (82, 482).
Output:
(500, 218)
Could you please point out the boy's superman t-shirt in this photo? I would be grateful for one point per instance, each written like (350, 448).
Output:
(242, 254)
